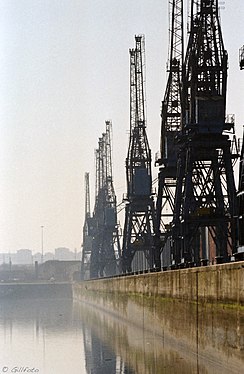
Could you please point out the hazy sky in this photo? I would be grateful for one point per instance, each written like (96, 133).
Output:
(64, 70)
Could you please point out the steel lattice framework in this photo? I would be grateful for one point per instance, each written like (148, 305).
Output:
(87, 230)
(241, 57)
(105, 249)
(139, 227)
(241, 177)
(205, 205)
(170, 127)
(241, 199)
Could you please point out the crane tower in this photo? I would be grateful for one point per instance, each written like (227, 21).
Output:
(139, 227)
(241, 204)
(170, 127)
(105, 233)
(87, 237)
(241, 57)
(205, 202)
(240, 252)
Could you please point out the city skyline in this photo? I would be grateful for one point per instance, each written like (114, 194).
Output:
(27, 257)
(64, 70)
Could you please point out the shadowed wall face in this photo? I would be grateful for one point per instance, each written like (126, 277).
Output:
(201, 309)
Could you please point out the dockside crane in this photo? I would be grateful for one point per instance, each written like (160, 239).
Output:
(106, 246)
(138, 249)
(87, 233)
(240, 195)
(204, 223)
(170, 127)
(241, 57)
(240, 252)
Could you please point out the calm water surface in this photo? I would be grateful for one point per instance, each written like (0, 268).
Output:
(65, 337)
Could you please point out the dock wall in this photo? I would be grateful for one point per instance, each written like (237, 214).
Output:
(198, 312)
(220, 284)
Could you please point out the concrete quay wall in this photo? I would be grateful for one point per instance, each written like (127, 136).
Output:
(197, 311)
(223, 284)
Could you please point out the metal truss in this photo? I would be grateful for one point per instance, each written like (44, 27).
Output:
(241, 200)
(87, 238)
(106, 245)
(204, 224)
(139, 227)
(204, 199)
(170, 127)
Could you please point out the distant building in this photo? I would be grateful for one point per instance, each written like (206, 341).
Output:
(24, 257)
(21, 257)
(48, 256)
(37, 257)
(64, 254)
(5, 258)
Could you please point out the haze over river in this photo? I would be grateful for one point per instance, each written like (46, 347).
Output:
(65, 337)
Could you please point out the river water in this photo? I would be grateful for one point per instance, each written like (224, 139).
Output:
(64, 337)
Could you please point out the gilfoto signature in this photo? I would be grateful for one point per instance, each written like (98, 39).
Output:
(19, 369)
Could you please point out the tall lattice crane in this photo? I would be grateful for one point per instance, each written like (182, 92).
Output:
(170, 127)
(87, 231)
(205, 209)
(240, 253)
(138, 249)
(241, 204)
(241, 57)
(105, 249)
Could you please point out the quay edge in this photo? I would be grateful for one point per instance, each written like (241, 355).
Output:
(220, 284)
